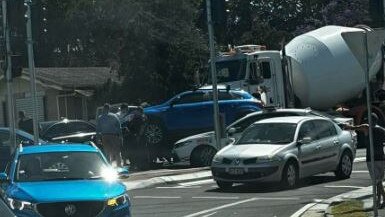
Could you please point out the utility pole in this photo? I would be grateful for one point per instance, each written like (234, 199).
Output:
(213, 75)
(8, 78)
(369, 108)
(31, 66)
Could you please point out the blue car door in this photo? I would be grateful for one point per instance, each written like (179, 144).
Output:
(189, 111)
(228, 105)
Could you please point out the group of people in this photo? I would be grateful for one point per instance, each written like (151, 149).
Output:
(121, 134)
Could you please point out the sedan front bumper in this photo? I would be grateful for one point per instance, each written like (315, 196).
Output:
(267, 173)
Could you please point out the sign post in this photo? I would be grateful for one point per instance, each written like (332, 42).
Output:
(31, 66)
(213, 74)
(370, 121)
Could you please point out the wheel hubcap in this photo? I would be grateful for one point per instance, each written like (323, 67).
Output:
(291, 175)
(346, 165)
(153, 134)
(207, 155)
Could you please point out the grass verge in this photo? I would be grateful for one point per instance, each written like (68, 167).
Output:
(350, 208)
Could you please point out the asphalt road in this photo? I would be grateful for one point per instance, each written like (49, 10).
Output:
(203, 198)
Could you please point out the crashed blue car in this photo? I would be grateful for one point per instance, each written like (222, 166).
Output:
(59, 180)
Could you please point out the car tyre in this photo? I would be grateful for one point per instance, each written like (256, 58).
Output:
(202, 156)
(345, 166)
(224, 185)
(290, 175)
(154, 132)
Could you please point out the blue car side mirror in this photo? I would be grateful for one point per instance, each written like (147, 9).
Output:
(3, 177)
(122, 172)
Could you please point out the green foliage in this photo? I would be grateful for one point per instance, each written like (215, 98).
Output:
(154, 44)
(158, 45)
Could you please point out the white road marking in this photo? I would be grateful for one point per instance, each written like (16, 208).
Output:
(224, 198)
(318, 200)
(343, 186)
(359, 159)
(277, 198)
(173, 187)
(221, 207)
(200, 182)
(156, 197)
(210, 214)
(360, 171)
(239, 202)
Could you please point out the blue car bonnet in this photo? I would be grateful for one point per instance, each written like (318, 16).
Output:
(56, 191)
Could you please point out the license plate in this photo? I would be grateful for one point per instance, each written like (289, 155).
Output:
(236, 171)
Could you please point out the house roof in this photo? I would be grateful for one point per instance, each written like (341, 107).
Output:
(74, 77)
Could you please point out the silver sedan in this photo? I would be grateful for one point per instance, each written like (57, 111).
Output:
(286, 149)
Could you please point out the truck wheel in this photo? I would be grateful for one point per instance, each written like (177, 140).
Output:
(345, 166)
(154, 132)
(224, 185)
(202, 156)
(290, 175)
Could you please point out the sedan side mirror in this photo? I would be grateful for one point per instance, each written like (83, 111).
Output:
(4, 178)
(304, 140)
(231, 131)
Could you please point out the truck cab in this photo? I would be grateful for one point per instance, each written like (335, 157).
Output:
(252, 68)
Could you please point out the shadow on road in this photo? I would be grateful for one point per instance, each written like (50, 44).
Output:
(274, 187)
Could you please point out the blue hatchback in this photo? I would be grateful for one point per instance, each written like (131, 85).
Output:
(59, 180)
(191, 112)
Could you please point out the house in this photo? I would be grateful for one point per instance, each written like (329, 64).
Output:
(61, 92)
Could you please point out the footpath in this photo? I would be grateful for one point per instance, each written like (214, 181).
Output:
(148, 179)
(355, 203)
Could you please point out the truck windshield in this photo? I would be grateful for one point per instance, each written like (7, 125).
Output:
(229, 71)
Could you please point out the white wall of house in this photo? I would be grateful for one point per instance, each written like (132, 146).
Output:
(22, 99)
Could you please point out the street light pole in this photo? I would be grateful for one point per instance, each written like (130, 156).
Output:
(31, 66)
(213, 74)
(8, 77)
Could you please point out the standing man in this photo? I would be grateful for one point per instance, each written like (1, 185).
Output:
(379, 159)
(379, 155)
(109, 129)
(25, 123)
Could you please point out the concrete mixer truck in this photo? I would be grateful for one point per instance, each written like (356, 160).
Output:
(321, 69)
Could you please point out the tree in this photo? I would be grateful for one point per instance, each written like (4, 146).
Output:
(154, 44)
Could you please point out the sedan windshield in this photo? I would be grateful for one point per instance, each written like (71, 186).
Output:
(59, 166)
(268, 133)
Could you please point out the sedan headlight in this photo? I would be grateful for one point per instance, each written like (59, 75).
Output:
(19, 204)
(217, 159)
(262, 159)
(181, 144)
(117, 201)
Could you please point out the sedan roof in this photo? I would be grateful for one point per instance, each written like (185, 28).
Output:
(290, 119)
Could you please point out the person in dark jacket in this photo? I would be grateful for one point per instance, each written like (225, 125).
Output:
(25, 123)
(139, 153)
(379, 159)
(379, 155)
